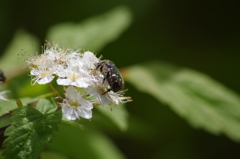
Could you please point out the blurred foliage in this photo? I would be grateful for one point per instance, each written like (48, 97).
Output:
(194, 96)
(22, 46)
(83, 143)
(107, 28)
(201, 35)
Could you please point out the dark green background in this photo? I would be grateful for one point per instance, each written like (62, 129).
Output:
(202, 35)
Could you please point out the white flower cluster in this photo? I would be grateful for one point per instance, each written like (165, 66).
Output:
(77, 72)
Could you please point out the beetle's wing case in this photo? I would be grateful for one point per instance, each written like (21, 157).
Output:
(111, 75)
(115, 80)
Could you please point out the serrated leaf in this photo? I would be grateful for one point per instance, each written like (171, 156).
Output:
(203, 102)
(46, 106)
(118, 114)
(94, 33)
(29, 133)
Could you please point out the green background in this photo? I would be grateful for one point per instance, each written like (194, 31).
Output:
(201, 35)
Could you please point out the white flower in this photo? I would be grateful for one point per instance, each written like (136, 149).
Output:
(74, 76)
(117, 98)
(89, 60)
(74, 69)
(107, 98)
(74, 106)
(99, 91)
(42, 75)
(60, 56)
(2, 95)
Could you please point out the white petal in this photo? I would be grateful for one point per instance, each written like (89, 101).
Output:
(69, 113)
(34, 72)
(103, 99)
(82, 83)
(45, 80)
(85, 111)
(89, 59)
(98, 93)
(72, 93)
(64, 82)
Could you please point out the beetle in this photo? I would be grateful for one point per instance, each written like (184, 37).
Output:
(111, 74)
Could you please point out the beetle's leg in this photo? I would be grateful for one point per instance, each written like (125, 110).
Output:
(108, 90)
(106, 75)
(98, 66)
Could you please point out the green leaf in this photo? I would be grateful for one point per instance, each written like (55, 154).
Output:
(94, 33)
(46, 106)
(7, 106)
(12, 62)
(28, 100)
(29, 133)
(118, 114)
(75, 143)
(75, 123)
(203, 102)
(4, 121)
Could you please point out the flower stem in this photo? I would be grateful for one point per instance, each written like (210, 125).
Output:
(56, 95)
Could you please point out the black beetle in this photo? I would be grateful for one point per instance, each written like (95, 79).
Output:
(111, 74)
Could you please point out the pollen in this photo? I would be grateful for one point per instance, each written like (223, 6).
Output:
(45, 74)
(74, 77)
(74, 103)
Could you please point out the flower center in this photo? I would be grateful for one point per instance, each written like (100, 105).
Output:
(74, 103)
(74, 77)
(45, 74)
(101, 90)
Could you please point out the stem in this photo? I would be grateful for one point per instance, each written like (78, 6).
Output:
(56, 95)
